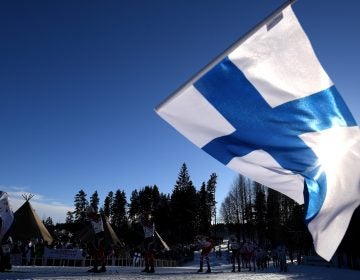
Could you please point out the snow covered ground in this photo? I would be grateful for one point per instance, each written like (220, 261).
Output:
(220, 272)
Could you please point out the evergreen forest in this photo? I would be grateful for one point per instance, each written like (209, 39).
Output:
(250, 211)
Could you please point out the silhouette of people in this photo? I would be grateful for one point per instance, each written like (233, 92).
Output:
(281, 252)
(206, 244)
(234, 247)
(149, 243)
(97, 245)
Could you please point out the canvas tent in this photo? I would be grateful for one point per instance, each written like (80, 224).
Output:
(28, 225)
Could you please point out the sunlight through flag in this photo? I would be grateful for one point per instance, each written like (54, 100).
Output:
(267, 109)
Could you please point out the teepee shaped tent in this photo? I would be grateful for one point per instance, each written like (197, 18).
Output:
(28, 225)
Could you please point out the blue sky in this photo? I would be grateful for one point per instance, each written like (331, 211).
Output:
(79, 81)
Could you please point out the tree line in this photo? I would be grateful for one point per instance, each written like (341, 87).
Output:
(259, 214)
(251, 211)
(178, 216)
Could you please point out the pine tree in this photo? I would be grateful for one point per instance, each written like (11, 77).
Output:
(119, 209)
(69, 217)
(94, 201)
(80, 204)
(184, 207)
(161, 215)
(297, 235)
(260, 212)
(108, 205)
(274, 232)
(134, 209)
(155, 198)
(204, 214)
(146, 199)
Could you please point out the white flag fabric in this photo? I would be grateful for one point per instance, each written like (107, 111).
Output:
(269, 111)
(6, 215)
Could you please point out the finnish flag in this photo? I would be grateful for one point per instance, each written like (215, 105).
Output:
(268, 110)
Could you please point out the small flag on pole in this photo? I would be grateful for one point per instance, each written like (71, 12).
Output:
(267, 109)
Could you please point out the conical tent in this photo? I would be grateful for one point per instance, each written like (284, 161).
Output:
(28, 225)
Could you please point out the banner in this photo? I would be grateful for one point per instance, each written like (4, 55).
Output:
(64, 254)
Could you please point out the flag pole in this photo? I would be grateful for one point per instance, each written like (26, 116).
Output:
(220, 57)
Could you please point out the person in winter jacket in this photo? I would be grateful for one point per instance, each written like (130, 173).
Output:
(247, 250)
(149, 242)
(234, 247)
(97, 246)
(206, 244)
(282, 252)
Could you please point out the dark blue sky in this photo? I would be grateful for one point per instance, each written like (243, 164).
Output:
(79, 81)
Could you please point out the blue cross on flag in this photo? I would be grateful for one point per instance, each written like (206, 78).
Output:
(268, 110)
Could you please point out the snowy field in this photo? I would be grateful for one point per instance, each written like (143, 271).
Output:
(220, 272)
